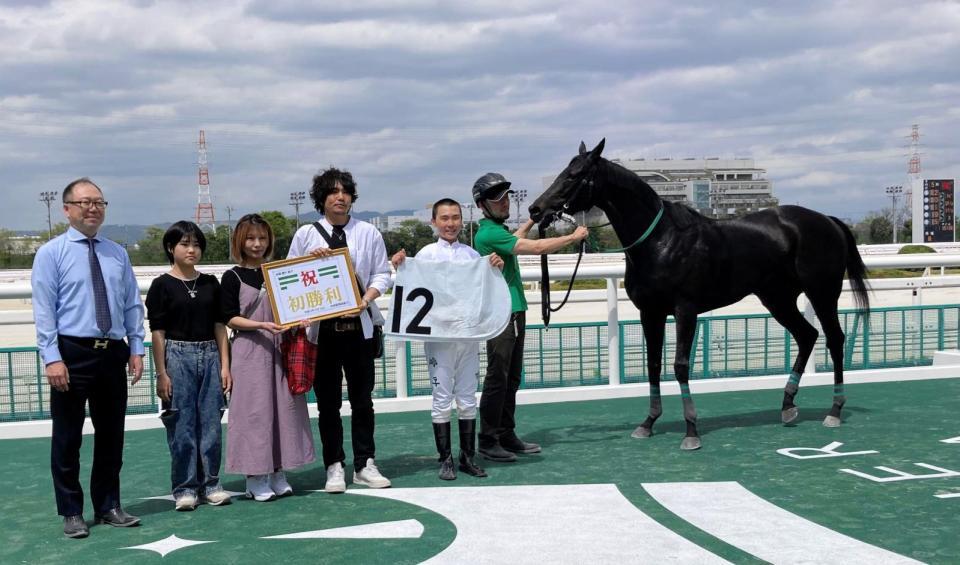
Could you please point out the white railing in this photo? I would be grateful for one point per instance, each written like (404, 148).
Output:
(562, 268)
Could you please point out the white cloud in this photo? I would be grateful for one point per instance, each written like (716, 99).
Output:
(419, 97)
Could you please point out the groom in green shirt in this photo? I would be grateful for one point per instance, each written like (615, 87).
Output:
(498, 438)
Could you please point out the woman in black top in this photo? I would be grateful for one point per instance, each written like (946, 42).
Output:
(192, 359)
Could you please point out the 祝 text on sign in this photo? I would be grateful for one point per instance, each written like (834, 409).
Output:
(310, 288)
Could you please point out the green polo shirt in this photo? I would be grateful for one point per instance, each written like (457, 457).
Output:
(496, 238)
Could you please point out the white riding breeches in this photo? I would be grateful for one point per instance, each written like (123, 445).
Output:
(454, 369)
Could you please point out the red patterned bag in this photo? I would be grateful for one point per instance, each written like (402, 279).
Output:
(299, 360)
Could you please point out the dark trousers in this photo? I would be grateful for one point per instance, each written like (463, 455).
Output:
(97, 376)
(498, 403)
(344, 354)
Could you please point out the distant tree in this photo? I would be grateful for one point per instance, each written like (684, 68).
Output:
(879, 228)
(906, 231)
(218, 246)
(57, 229)
(283, 229)
(150, 251)
(411, 235)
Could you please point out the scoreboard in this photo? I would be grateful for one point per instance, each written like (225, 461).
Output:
(938, 215)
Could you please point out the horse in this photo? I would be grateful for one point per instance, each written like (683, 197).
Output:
(682, 263)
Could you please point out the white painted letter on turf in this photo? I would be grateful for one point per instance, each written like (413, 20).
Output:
(825, 451)
(901, 476)
(951, 440)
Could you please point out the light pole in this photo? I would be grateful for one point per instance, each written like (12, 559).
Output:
(47, 197)
(894, 192)
(519, 196)
(470, 208)
(296, 199)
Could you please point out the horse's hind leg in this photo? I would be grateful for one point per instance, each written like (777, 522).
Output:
(783, 307)
(826, 310)
(653, 327)
(686, 329)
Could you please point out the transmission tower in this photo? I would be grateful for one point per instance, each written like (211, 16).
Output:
(204, 216)
(915, 185)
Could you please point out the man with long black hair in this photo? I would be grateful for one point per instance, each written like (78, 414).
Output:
(345, 345)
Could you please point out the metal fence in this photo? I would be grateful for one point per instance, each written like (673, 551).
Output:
(577, 354)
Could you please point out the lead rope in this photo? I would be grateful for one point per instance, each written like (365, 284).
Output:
(545, 309)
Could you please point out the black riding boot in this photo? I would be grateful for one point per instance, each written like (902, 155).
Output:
(441, 432)
(468, 439)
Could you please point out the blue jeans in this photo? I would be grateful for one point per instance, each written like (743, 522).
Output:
(192, 417)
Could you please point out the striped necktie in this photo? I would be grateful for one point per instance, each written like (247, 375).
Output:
(100, 303)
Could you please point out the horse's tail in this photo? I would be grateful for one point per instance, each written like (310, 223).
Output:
(856, 270)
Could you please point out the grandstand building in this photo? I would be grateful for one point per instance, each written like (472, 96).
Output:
(715, 187)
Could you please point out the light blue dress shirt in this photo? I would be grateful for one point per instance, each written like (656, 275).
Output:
(63, 301)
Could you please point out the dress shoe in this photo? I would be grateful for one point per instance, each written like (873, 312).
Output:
(117, 518)
(517, 445)
(75, 527)
(497, 453)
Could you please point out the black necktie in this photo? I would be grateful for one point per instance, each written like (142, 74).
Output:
(100, 303)
(339, 237)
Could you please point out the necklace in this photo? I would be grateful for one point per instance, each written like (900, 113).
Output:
(192, 291)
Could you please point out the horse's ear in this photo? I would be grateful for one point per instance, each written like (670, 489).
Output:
(599, 148)
(583, 148)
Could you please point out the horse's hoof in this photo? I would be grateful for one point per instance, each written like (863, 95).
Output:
(789, 415)
(642, 432)
(690, 443)
(831, 422)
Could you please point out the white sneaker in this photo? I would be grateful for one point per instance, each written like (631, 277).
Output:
(258, 488)
(336, 482)
(279, 484)
(186, 502)
(370, 476)
(217, 498)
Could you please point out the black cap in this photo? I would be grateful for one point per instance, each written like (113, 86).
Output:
(490, 186)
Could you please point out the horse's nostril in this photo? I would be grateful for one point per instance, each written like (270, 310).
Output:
(534, 213)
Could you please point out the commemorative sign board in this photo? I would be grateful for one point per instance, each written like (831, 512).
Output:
(312, 288)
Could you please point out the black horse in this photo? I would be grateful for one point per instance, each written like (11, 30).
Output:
(682, 263)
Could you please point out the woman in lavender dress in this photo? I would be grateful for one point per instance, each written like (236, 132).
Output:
(268, 429)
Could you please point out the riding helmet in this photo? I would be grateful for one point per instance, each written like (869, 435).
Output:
(490, 186)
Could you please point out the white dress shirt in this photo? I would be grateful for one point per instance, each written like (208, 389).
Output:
(443, 250)
(369, 255)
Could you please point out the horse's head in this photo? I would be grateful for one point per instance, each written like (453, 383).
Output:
(572, 191)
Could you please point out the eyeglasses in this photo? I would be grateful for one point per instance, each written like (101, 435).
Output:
(87, 204)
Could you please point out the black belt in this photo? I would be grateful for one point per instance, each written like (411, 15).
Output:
(339, 325)
(100, 343)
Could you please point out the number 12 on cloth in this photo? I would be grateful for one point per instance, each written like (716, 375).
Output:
(448, 301)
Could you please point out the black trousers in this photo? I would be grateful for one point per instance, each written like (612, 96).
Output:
(498, 402)
(345, 355)
(100, 377)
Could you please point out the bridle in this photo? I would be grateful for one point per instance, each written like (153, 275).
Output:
(545, 309)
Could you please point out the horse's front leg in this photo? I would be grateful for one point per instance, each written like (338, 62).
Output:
(686, 328)
(653, 327)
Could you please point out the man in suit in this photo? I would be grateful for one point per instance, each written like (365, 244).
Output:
(85, 302)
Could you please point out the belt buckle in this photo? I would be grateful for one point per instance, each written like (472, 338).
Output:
(100, 343)
(343, 325)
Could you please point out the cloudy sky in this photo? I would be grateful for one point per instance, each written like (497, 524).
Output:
(420, 97)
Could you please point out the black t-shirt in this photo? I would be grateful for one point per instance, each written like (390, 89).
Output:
(230, 288)
(184, 318)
